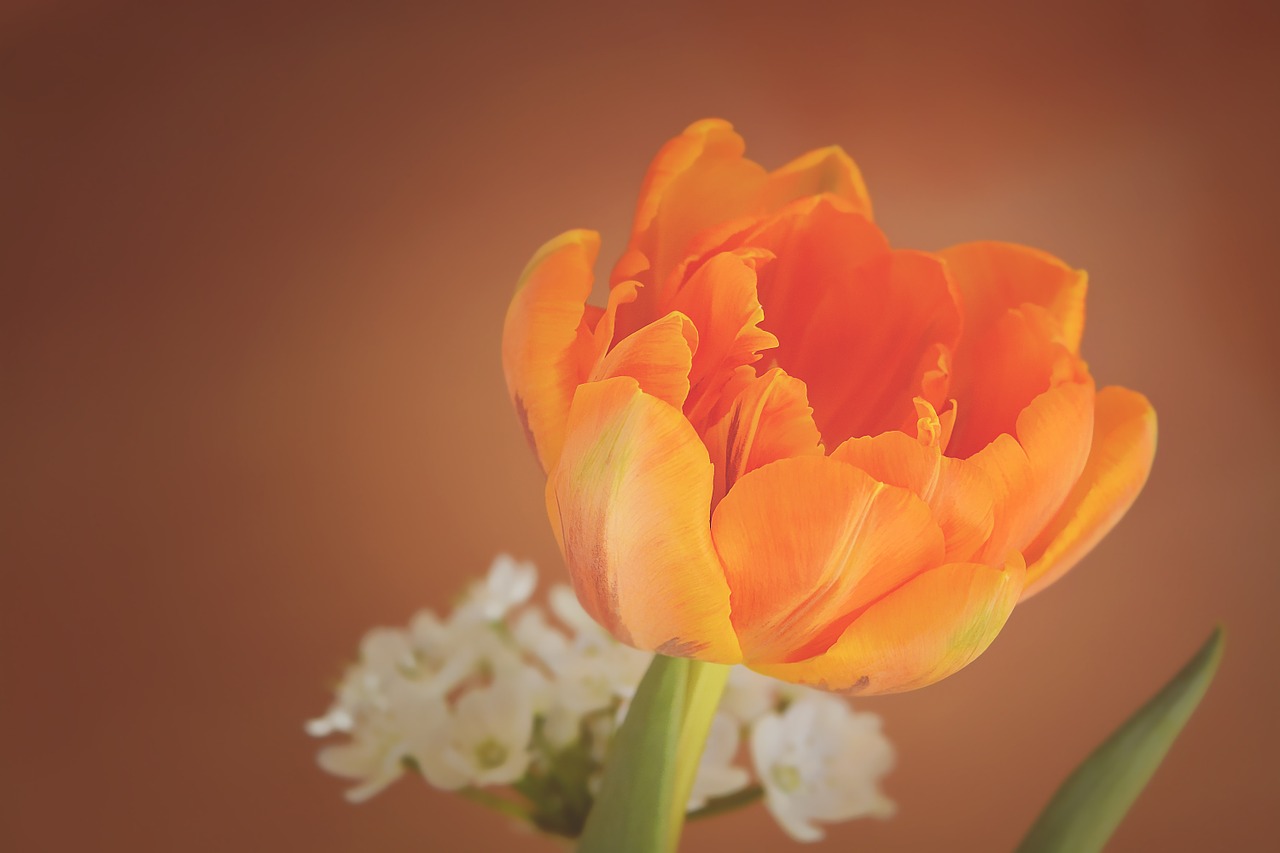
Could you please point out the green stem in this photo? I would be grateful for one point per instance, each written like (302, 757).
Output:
(498, 804)
(728, 803)
(705, 686)
(654, 758)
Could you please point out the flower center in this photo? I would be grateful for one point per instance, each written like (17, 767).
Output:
(786, 777)
(490, 754)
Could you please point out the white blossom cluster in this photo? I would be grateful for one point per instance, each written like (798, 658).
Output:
(498, 695)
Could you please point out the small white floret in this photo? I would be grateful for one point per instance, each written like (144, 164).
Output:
(821, 761)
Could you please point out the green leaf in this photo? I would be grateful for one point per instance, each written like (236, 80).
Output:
(1090, 805)
(632, 812)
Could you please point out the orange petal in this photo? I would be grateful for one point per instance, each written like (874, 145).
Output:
(770, 419)
(621, 294)
(698, 180)
(996, 377)
(807, 542)
(929, 628)
(721, 300)
(1124, 444)
(545, 347)
(870, 338)
(629, 503)
(959, 495)
(994, 277)
(819, 244)
(1032, 474)
(1001, 363)
(827, 170)
(658, 357)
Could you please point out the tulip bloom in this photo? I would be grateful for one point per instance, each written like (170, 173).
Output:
(784, 443)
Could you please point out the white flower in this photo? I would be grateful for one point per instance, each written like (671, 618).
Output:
(374, 756)
(508, 585)
(748, 695)
(819, 760)
(383, 654)
(564, 604)
(448, 654)
(407, 722)
(488, 739)
(596, 677)
(535, 635)
(590, 671)
(717, 775)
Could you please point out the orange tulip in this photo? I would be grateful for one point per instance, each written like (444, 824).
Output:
(786, 444)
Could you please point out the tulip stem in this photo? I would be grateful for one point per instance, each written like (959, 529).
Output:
(654, 758)
(704, 687)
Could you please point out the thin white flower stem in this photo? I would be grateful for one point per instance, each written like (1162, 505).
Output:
(729, 802)
(498, 804)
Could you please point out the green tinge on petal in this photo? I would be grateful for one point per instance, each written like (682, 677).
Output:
(1090, 805)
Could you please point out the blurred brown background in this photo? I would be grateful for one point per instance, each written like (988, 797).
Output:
(255, 259)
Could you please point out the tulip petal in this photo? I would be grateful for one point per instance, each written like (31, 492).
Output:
(1124, 445)
(923, 631)
(808, 541)
(1016, 360)
(546, 347)
(698, 180)
(1022, 308)
(1034, 470)
(629, 504)
(658, 356)
(827, 170)
(959, 495)
(770, 419)
(994, 277)
(721, 300)
(835, 286)
(819, 244)
(891, 320)
(605, 329)
(892, 325)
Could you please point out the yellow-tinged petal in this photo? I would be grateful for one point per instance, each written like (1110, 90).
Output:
(546, 348)
(698, 180)
(1124, 446)
(770, 419)
(807, 542)
(629, 503)
(1033, 471)
(827, 170)
(658, 357)
(927, 629)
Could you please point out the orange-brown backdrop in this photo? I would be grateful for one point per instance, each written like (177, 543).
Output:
(255, 258)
